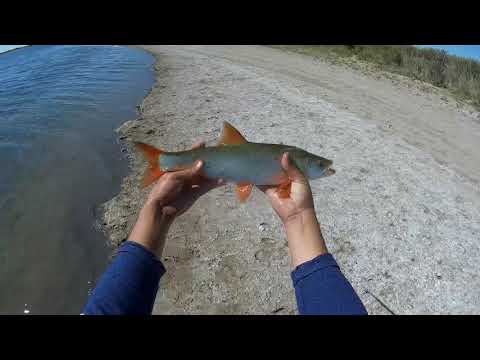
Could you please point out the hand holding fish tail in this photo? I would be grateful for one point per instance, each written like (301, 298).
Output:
(297, 211)
(172, 195)
(175, 192)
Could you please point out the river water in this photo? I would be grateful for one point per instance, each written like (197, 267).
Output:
(59, 160)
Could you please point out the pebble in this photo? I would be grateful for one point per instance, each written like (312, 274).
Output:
(262, 227)
(260, 255)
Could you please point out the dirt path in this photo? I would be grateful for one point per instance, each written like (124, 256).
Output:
(401, 215)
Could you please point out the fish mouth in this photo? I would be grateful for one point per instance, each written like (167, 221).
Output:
(329, 171)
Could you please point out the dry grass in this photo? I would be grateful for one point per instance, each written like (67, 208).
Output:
(460, 76)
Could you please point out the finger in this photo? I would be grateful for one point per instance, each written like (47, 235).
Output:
(198, 145)
(270, 191)
(189, 173)
(206, 186)
(209, 183)
(292, 171)
(264, 188)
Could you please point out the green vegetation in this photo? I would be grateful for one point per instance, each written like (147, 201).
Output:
(460, 76)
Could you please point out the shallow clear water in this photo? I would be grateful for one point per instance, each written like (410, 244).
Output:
(60, 159)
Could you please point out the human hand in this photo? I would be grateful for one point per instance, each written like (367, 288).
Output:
(175, 192)
(297, 212)
(300, 198)
(172, 195)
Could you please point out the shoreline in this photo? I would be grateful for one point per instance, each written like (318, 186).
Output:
(128, 156)
(17, 48)
(401, 182)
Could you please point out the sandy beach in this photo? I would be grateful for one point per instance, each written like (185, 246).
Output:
(401, 215)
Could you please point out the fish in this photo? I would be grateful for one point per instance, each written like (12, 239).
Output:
(238, 161)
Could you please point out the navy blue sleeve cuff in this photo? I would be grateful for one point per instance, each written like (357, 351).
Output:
(144, 267)
(130, 283)
(322, 289)
(142, 252)
(307, 268)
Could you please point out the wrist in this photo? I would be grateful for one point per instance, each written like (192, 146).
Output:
(156, 210)
(152, 206)
(304, 236)
(306, 215)
(151, 228)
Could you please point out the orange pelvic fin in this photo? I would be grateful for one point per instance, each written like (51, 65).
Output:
(244, 191)
(231, 136)
(284, 190)
(152, 155)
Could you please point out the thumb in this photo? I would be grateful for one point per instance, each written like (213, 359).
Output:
(292, 171)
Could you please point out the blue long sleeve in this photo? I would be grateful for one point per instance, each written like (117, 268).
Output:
(321, 289)
(129, 285)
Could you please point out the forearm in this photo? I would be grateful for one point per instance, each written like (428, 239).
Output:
(304, 236)
(320, 286)
(151, 228)
(130, 284)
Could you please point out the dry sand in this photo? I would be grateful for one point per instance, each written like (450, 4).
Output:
(401, 215)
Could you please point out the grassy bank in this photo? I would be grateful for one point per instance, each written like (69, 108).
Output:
(460, 76)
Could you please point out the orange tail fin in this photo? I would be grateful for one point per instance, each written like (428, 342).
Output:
(152, 155)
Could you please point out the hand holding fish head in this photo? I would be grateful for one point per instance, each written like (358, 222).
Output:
(292, 198)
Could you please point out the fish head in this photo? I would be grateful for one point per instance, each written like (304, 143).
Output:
(311, 165)
(317, 167)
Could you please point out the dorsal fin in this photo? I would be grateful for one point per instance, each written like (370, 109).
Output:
(231, 136)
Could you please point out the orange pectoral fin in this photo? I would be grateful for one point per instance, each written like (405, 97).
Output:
(284, 190)
(231, 136)
(244, 191)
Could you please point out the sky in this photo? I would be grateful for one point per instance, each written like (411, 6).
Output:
(4, 48)
(468, 51)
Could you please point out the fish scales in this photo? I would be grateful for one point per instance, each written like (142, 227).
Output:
(252, 163)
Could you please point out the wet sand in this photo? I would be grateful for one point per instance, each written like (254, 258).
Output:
(401, 215)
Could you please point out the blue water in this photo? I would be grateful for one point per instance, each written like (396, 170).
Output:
(60, 159)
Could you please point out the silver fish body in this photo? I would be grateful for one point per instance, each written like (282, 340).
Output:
(252, 163)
